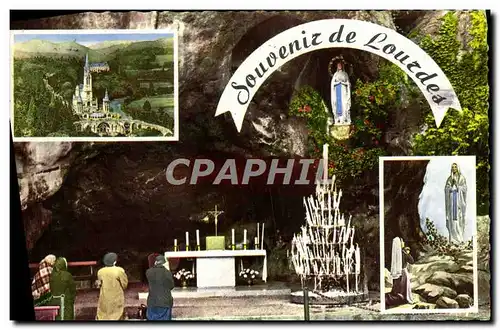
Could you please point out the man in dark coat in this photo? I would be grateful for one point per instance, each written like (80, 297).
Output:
(160, 299)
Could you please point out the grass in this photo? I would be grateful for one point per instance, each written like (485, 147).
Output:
(162, 84)
(155, 101)
(161, 59)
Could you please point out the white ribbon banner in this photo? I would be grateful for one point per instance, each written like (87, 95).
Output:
(337, 33)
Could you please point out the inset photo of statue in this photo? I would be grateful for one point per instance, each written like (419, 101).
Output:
(428, 235)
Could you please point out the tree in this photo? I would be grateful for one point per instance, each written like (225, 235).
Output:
(31, 118)
(146, 106)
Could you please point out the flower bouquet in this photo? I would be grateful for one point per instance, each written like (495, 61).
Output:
(248, 275)
(184, 276)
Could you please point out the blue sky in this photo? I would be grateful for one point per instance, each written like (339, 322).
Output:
(89, 39)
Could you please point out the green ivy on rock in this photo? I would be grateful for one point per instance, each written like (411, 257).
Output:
(463, 133)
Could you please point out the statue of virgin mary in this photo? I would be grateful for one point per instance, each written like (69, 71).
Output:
(340, 88)
(455, 204)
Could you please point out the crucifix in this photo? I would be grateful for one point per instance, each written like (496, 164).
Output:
(216, 214)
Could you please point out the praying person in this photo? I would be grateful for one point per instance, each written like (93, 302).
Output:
(40, 287)
(152, 259)
(161, 283)
(112, 281)
(62, 283)
(401, 287)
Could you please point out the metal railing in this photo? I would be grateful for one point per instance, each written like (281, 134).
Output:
(61, 299)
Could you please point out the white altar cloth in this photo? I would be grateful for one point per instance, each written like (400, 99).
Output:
(217, 268)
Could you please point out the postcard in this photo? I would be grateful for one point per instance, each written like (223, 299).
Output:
(252, 165)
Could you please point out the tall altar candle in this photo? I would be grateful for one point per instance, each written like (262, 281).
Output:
(325, 162)
(187, 239)
(175, 244)
(197, 237)
(258, 228)
(256, 242)
(245, 237)
(232, 236)
(262, 238)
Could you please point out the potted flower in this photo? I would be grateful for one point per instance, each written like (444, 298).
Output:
(184, 276)
(248, 275)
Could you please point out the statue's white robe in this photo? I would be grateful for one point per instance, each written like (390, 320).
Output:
(341, 78)
(455, 221)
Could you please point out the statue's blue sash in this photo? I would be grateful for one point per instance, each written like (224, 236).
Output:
(338, 94)
(454, 197)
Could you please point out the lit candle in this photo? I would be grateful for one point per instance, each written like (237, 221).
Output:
(325, 162)
(175, 244)
(232, 236)
(187, 239)
(256, 242)
(245, 237)
(357, 265)
(358, 260)
(197, 237)
(329, 208)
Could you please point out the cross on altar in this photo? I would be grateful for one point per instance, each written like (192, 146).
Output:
(216, 214)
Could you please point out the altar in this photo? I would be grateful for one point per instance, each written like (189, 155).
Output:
(217, 268)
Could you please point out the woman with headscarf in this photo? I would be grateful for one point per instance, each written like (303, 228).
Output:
(401, 287)
(40, 286)
(113, 281)
(62, 283)
(161, 283)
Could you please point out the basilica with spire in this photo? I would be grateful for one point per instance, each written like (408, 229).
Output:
(99, 118)
(84, 104)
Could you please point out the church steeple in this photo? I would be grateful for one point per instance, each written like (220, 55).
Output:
(105, 102)
(87, 82)
(86, 61)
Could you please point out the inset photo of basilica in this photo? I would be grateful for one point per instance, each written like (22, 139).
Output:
(96, 85)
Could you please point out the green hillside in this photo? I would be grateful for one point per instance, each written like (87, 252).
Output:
(34, 48)
(104, 51)
(111, 43)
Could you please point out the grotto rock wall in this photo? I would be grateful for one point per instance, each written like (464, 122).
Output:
(207, 43)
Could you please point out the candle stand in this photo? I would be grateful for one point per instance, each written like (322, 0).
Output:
(324, 254)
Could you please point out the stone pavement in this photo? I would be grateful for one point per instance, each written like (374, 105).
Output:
(257, 308)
